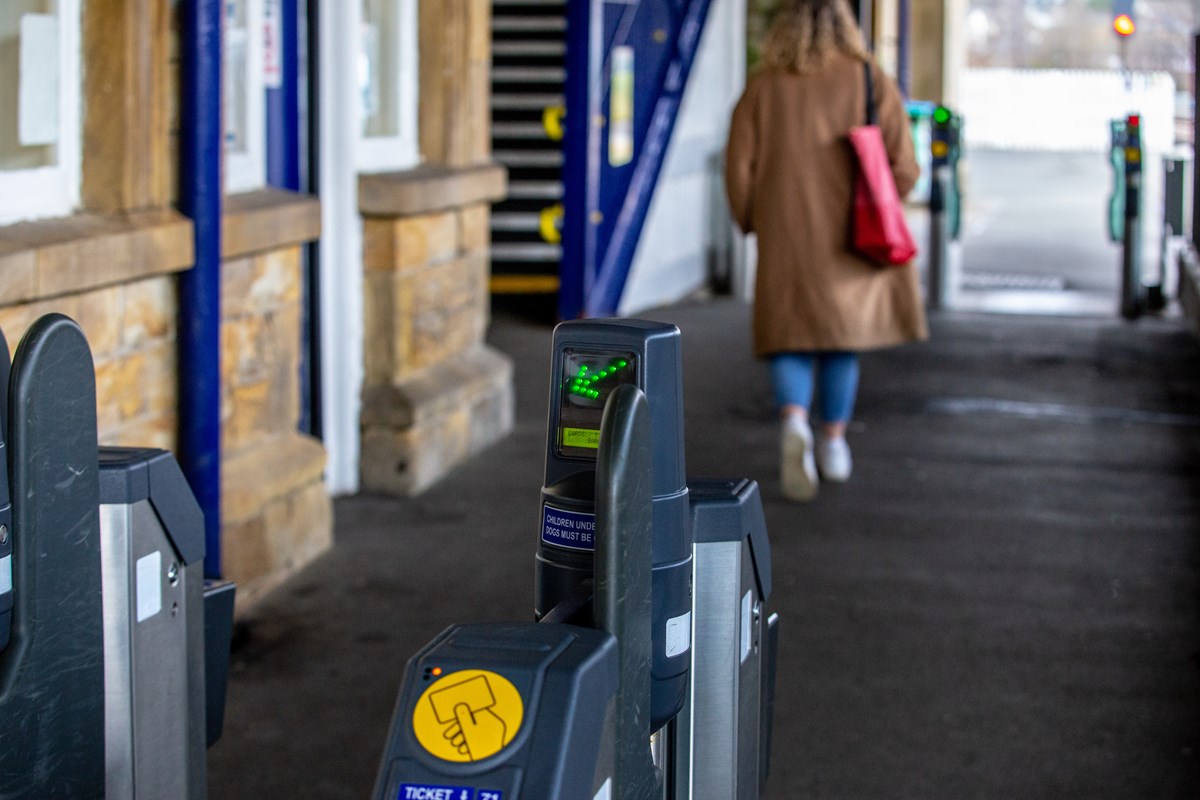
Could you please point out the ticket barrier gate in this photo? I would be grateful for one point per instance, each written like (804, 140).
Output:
(651, 671)
(1125, 210)
(104, 689)
(945, 201)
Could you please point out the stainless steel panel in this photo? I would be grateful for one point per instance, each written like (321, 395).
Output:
(154, 665)
(718, 749)
(116, 597)
(715, 669)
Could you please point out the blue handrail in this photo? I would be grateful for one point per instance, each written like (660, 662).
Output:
(606, 204)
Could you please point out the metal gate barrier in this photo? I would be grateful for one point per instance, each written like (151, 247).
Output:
(651, 672)
(114, 653)
(650, 675)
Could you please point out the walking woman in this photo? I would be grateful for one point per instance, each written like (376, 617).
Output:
(790, 177)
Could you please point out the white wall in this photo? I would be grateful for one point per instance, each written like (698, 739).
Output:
(1008, 109)
(688, 222)
(341, 266)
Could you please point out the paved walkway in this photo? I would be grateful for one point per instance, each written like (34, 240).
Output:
(1002, 603)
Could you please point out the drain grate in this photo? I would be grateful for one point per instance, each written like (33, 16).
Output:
(1023, 281)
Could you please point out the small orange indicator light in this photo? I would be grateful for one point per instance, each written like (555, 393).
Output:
(1123, 25)
(939, 149)
(436, 671)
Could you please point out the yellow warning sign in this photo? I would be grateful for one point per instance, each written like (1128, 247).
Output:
(468, 715)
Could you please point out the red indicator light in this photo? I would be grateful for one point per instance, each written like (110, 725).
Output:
(1133, 120)
(1123, 25)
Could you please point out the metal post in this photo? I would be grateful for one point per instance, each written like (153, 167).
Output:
(1132, 301)
(938, 271)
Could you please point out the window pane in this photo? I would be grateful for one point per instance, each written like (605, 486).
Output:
(234, 96)
(379, 68)
(28, 124)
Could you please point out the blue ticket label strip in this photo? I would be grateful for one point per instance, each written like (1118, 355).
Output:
(425, 791)
(572, 529)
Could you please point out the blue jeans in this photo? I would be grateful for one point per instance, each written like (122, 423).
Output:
(837, 381)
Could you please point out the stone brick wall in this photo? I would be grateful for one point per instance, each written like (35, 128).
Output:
(131, 330)
(426, 285)
(276, 514)
(434, 393)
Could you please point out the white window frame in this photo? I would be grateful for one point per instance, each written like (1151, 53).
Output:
(246, 171)
(54, 191)
(389, 153)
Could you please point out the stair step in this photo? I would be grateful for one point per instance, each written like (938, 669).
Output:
(529, 158)
(535, 190)
(527, 48)
(525, 131)
(521, 102)
(508, 221)
(534, 252)
(529, 75)
(529, 24)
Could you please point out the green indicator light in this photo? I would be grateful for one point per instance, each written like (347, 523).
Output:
(622, 363)
(941, 115)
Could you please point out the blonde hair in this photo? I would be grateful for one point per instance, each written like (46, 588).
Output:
(806, 33)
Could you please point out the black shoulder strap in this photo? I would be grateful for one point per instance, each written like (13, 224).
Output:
(871, 115)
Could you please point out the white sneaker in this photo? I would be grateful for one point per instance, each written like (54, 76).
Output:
(833, 457)
(797, 469)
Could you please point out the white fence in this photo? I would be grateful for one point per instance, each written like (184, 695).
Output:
(1009, 109)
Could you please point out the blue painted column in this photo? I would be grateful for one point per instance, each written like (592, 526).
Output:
(200, 198)
(580, 155)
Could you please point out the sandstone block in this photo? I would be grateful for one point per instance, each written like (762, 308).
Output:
(100, 317)
(245, 416)
(381, 336)
(161, 380)
(418, 430)
(17, 276)
(379, 244)
(149, 312)
(258, 476)
(261, 552)
(426, 239)
(120, 390)
(474, 231)
(276, 279)
(237, 276)
(146, 431)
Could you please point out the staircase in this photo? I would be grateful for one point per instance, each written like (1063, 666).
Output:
(528, 79)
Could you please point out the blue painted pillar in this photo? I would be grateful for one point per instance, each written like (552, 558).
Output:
(200, 198)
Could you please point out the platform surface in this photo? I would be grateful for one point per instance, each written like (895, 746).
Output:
(1002, 602)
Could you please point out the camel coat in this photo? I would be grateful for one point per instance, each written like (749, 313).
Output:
(789, 176)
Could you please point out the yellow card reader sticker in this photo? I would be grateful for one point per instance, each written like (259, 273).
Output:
(468, 715)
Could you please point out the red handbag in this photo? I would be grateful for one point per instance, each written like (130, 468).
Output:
(880, 231)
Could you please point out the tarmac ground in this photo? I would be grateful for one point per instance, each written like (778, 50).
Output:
(1002, 602)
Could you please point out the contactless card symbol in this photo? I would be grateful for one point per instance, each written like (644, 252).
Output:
(468, 715)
